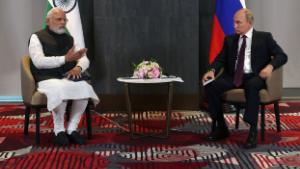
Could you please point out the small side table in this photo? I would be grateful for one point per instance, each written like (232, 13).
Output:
(168, 80)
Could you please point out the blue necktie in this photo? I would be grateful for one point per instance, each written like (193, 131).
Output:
(239, 72)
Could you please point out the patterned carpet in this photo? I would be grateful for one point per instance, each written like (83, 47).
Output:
(111, 146)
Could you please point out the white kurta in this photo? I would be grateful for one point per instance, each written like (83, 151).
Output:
(58, 90)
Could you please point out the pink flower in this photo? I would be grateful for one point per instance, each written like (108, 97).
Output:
(147, 70)
(154, 73)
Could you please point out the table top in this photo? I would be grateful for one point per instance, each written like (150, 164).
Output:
(156, 80)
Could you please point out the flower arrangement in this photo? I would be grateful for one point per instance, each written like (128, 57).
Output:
(147, 70)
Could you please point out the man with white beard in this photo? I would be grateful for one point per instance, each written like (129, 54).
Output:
(57, 67)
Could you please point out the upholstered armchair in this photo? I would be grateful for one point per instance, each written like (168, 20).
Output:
(271, 95)
(33, 99)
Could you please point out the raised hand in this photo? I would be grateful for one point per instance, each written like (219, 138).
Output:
(72, 55)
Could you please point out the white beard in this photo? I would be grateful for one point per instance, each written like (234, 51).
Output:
(58, 30)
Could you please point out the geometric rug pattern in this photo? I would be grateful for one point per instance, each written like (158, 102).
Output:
(186, 148)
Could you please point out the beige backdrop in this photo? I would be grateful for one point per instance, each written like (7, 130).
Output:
(282, 19)
(18, 18)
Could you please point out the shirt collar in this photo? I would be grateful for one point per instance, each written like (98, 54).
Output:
(249, 33)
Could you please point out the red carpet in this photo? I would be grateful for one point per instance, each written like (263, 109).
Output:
(186, 148)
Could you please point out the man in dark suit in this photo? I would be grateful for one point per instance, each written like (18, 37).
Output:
(247, 60)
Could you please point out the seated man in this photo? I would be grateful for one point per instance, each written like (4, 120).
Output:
(57, 66)
(246, 57)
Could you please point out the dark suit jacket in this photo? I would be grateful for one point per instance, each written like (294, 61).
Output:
(262, 49)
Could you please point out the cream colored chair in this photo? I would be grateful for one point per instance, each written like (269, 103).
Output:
(33, 99)
(271, 95)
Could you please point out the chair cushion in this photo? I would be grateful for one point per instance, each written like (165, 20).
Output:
(238, 96)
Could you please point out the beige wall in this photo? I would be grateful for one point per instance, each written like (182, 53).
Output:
(18, 18)
(282, 19)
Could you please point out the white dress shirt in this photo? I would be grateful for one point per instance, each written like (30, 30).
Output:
(40, 61)
(247, 62)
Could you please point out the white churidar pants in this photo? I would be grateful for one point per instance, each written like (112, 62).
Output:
(58, 92)
(77, 109)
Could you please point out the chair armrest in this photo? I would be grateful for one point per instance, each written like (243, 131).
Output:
(28, 86)
(274, 83)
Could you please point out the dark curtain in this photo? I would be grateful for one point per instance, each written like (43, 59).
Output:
(118, 33)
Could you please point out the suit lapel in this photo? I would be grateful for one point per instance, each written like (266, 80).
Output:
(253, 43)
(235, 46)
(254, 49)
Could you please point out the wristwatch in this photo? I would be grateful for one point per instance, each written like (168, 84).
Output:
(66, 5)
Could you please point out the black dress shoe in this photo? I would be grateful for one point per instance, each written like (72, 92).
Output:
(75, 138)
(61, 139)
(218, 134)
(251, 140)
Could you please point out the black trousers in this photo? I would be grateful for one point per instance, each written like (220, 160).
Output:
(251, 84)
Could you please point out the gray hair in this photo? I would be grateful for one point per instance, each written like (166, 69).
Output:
(52, 12)
(249, 15)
